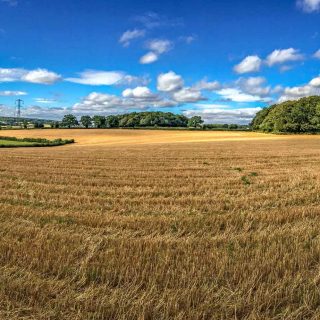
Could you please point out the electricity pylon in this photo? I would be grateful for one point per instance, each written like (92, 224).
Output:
(19, 104)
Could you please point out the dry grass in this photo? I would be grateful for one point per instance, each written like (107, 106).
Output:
(129, 137)
(128, 229)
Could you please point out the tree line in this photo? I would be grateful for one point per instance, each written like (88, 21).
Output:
(133, 120)
(298, 116)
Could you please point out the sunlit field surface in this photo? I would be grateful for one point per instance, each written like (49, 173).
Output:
(94, 137)
(131, 224)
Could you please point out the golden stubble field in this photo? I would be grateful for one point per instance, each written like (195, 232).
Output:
(94, 137)
(138, 225)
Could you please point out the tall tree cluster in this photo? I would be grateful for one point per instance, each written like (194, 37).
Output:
(299, 116)
(133, 120)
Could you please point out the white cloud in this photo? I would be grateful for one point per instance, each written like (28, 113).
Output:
(107, 78)
(236, 95)
(45, 113)
(12, 93)
(309, 5)
(254, 63)
(204, 84)
(159, 46)
(188, 95)
(169, 82)
(283, 56)
(148, 58)
(138, 93)
(315, 82)
(36, 112)
(130, 80)
(136, 99)
(98, 102)
(41, 76)
(248, 65)
(130, 35)
(11, 75)
(98, 78)
(293, 93)
(223, 114)
(317, 54)
(254, 86)
(44, 100)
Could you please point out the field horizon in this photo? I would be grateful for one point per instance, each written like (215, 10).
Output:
(103, 137)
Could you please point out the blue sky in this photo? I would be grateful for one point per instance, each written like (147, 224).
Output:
(223, 60)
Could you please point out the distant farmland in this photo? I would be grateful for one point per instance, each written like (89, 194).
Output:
(129, 224)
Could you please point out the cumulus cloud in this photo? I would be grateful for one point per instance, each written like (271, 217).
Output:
(293, 93)
(130, 35)
(157, 47)
(254, 86)
(41, 76)
(254, 63)
(132, 99)
(169, 82)
(11, 75)
(204, 84)
(212, 113)
(138, 93)
(236, 95)
(98, 102)
(129, 80)
(309, 5)
(315, 82)
(248, 65)
(188, 95)
(283, 56)
(148, 58)
(12, 93)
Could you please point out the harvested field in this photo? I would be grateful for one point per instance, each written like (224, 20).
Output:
(135, 224)
(94, 137)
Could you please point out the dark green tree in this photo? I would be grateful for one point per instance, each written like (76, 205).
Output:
(86, 121)
(112, 122)
(296, 116)
(195, 122)
(99, 121)
(69, 121)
